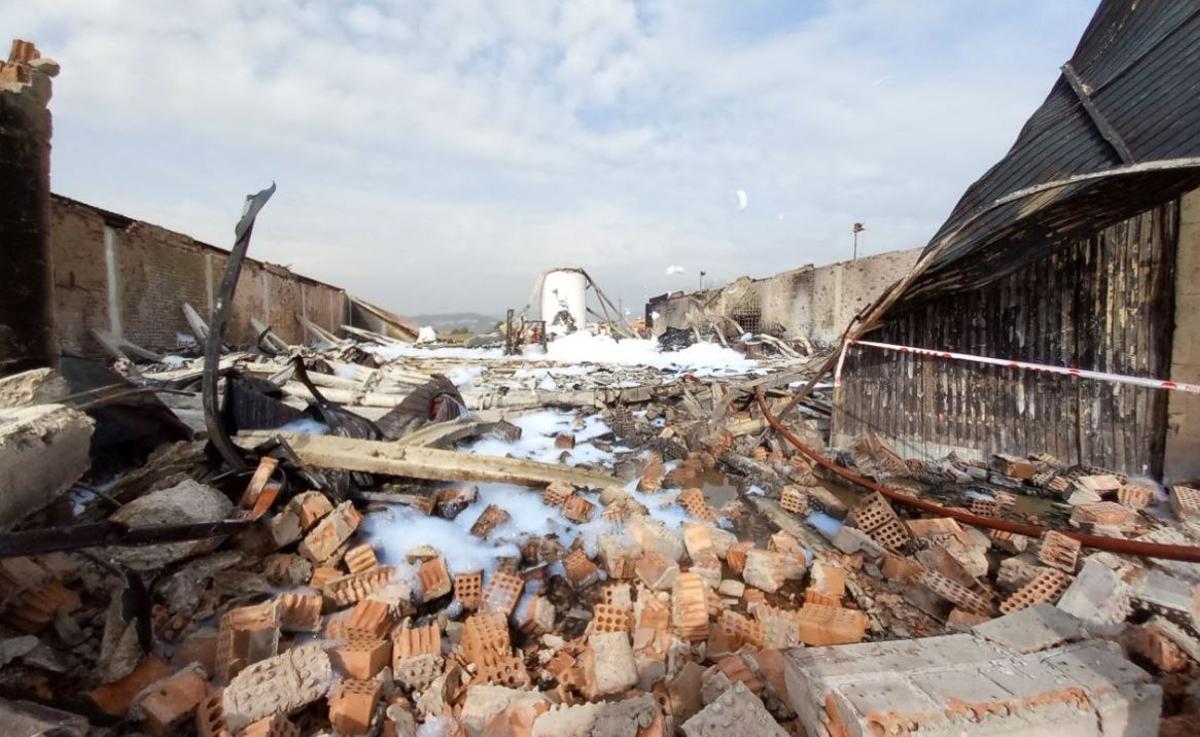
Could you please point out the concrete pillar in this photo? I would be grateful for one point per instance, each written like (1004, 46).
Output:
(1181, 461)
(27, 338)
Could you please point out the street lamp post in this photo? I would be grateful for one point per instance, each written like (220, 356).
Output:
(858, 228)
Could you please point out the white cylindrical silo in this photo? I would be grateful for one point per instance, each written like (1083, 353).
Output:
(564, 301)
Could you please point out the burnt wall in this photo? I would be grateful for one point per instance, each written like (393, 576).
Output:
(1103, 303)
(26, 313)
(131, 278)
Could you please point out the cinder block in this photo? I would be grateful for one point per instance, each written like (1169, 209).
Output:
(277, 685)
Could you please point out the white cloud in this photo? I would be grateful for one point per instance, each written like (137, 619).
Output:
(673, 270)
(481, 141)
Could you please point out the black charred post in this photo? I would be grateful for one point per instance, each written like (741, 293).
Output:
(27, 338)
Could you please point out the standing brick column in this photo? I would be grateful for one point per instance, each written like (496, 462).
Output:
(27, 338)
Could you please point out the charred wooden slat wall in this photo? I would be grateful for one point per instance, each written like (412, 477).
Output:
(1104, 303)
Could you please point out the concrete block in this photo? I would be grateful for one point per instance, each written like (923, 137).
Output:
(769, 571)
(1099, 597)
(852, 540)
(608, 664)
(1029, 630)
(43, 451)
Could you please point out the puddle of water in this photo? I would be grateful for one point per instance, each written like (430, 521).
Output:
(717, 489)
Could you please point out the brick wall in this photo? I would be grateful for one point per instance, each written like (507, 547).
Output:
(157, 270)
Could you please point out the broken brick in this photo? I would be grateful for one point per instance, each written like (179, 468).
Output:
(954, 592)
(434, 578)
(362, 658)
(609, 618)
(577, 509)
(580, 569)
(352, 706)
(829, 625)
(1135, 496)
(793, 499)
(328, 536)
(1059, 550)
(736, 556)
(299, 612)
(492, 517)
(367, 620)
(468, 589)
(537, 617)
(557, 493)
(115, 698)
(502, 593)
(408, 642)
(485, 632)
(360, 558)
(657, 572)
(277, 685)
(246, 635)
(689, 608)
(172, 701)
(1102, 513)
(347, 590)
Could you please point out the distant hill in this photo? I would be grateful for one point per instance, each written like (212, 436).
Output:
(471, 322)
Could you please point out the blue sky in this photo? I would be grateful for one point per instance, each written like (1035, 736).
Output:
(435, 156)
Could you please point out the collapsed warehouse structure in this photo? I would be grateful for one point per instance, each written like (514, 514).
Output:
(357, 536)
(1078, 251)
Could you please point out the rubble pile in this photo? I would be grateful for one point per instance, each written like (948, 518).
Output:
(455, 542)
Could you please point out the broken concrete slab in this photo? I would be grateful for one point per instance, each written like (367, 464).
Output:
(737, 711)
(1034, 628)
(43, 451)
(187, 502)
(27, 719)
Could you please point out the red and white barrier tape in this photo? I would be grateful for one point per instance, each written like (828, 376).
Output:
(1177, 386)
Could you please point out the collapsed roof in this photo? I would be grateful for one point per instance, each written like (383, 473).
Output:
(1118, 133)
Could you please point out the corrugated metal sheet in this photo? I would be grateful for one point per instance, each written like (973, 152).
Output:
(1139, 67)
(1104, 302)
